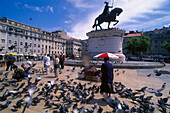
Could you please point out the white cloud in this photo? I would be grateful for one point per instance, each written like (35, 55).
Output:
(39, 9)
(50, 8)
(17, 5)
(81, 3)
(36, 8)
(67, 21)
(64, 7)
(133, 11)
(155, 23)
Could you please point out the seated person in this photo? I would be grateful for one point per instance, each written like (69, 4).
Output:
(18, 73)
(27, 70)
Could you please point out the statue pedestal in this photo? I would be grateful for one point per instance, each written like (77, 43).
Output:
(108, 40)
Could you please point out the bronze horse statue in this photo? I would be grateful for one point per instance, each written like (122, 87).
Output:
(108, 18)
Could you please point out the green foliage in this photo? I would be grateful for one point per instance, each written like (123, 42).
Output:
(135, 45)
(167, 46)
(145, 44)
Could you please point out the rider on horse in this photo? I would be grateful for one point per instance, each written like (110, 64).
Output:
(106, 11)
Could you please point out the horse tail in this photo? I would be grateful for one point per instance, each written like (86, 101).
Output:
(95, 23)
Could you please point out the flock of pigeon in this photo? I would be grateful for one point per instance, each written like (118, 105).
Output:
(69, 95)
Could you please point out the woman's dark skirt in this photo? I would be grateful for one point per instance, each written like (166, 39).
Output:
(106, 87)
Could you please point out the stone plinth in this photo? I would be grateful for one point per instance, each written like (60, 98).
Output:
(109, 40)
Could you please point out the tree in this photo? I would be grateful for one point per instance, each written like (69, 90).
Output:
(135, 45)
(145, 44)
(166, 45)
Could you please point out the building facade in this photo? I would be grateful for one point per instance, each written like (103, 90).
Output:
(158, 38)
(29, 40)
(84, 48)
(73, 48)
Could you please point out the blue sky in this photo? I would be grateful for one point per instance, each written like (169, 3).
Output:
(76, 17)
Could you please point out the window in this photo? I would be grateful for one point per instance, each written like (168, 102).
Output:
(30, 44)
(38, 51)
(34, 39)
(34, 51)
(34, 45)
(25, 50)
(15, 43)
(20, 43)
(2, 40)
(26, 44)
(30, 38)
(26, 37)
(3, 27)
(15, 23)
(20, 49)
(156, 41)
(155, 46)
(38, 39)
(10, 41)
(38, 45)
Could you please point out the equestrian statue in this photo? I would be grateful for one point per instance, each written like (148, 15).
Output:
(107, 16)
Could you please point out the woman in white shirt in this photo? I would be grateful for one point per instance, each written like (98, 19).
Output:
(47, 64)
(56, 65)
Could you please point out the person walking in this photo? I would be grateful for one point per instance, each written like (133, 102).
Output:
(47, 64)
(56, 65)
(44, 59)
(62, 59)
(107, 78)
(10, 61)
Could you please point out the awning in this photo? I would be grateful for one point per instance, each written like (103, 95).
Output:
(33, 55)
(13, 54)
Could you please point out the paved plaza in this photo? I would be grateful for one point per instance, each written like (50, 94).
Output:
(130, 78)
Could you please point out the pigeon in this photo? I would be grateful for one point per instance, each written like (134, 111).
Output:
(1, 72)
(2, 88)
(152, 107)
(6, 74)
(75, 109)
(5, 105)
(18, 104)
(21, 86)
(148, 75)
(68, 76)
(1, 80)
(163, 86)
(45, 111)
(142, 89)
(100, 109)
(28, 102)
(95, 108)
(158, 72)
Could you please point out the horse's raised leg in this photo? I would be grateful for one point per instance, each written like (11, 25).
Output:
(100, 27)
(108, 25)
(116, 22)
